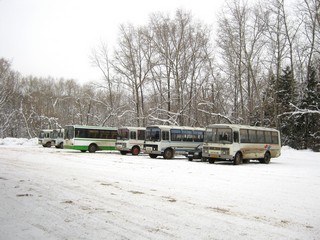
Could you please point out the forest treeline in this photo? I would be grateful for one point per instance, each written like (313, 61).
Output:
(259, 66)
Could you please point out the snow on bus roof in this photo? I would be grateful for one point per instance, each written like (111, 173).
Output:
(175, 127)
(241, 126)
(92, 127)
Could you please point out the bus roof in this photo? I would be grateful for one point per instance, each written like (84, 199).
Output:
(133, 128)
(46, 130)
(239, 126)
(92, 127)
(176, 127)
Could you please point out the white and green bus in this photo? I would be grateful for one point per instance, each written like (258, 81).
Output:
(240, 143)
(130, 140)
(166, 141)
(90, 138)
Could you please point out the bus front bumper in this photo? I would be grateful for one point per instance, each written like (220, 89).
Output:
(217, 156)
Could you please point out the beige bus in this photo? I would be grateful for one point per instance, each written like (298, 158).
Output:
(240, 143)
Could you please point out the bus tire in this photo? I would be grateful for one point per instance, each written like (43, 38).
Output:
(168, 153)
(135, 150)
(92, 148)
(266, 159)
(190, 159)
(82, 150)
(153, 155)
(60, 146)
(237, 159)
(123, 152)
(211, 160)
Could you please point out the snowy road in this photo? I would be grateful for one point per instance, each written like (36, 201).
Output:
(65, 194)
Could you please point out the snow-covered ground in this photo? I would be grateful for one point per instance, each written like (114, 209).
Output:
(48, 193)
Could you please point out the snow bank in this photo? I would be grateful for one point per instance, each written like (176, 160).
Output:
(34, 141)
(19, 141)
(49, 193)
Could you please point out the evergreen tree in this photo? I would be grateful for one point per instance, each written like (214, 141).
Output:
(286, 96)
(308, 122)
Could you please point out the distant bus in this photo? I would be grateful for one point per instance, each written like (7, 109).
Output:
(240, 143)
(167, 141)
(45, 137)
(57, 136)
(130, 140)
(90, 138)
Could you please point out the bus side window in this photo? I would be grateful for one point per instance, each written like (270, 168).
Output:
(236, 137)
(133, 135)
(165, 135)
(141, 134)
(244, 135)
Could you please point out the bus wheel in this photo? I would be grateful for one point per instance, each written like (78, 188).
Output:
(211, 160)
(60, 146)
(123, 152)
(83, 150)
(266, 158)
(153, 155)
(168, 154)
(92, 148)
(190, 159)
(237, 159)
(135, 151)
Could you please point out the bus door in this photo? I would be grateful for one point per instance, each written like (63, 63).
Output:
(236, 142)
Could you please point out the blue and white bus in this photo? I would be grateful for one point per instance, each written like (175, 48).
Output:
(166, 141)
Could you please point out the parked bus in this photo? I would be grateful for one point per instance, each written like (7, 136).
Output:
(167, 141)
(239, 143)
(45, 138)
(90, 138)
(57, 138)
(130, 140)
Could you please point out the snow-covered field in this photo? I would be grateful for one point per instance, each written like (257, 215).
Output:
(49, 193)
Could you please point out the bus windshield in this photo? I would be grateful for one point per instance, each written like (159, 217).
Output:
(69, 132)
(218, 135)
(123, 134)
(42, 134)
(54, 134)
(153, 134)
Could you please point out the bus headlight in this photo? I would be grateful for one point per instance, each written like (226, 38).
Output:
(205, 150)
(225, 151)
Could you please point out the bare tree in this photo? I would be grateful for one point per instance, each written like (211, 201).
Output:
(180, 60)
(8, 88)
(131, 62)
(241, 40)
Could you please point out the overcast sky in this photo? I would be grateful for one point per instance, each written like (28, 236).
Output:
(55, 37)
